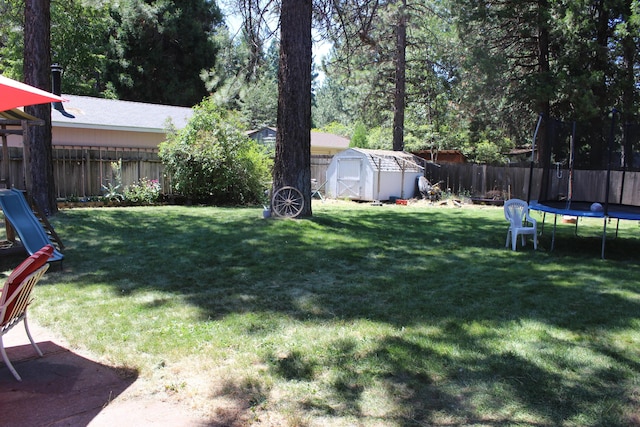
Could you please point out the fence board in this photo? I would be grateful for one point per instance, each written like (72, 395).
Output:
(588, 185)
(319, 166)
(82, 171)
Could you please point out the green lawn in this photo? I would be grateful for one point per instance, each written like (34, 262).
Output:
(368, 316)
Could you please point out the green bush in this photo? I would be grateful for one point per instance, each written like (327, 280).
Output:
(488, 152)
(144, 191)
(212, 160)
(359, 137)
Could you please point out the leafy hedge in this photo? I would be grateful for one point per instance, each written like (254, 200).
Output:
(212, 160)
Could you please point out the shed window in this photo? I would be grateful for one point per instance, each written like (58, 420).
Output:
(349, 169)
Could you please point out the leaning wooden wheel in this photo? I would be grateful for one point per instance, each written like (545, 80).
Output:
(287, 202)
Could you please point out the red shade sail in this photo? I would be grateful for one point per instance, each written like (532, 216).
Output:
(15, 94)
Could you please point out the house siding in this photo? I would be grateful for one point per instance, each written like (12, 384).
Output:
(64, 136)
(91, 133)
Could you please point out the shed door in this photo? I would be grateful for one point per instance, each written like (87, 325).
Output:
(349, 174)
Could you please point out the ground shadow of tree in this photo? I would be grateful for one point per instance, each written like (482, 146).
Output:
(446, 269)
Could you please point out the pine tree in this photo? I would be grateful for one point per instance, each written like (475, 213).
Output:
(292, 165)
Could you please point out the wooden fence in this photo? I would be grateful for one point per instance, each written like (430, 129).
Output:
(482, 180)
(513, 182)
(81, 172)
(319, 166)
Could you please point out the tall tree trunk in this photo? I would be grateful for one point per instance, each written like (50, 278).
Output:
(37, 63)
(292, 165)
(399, 95)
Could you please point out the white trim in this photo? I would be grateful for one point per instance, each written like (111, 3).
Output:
(106, 127)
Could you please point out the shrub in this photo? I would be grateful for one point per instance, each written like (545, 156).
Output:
(359, 137)
(212, 159)
(488, 152)
(112, 190)
(143, 191)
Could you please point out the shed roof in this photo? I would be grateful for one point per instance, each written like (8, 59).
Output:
(391, 161)
(111, 114)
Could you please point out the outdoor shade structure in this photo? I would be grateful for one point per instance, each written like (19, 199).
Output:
(13, 122)
(16, 94)
(371, 175)
(588, 171)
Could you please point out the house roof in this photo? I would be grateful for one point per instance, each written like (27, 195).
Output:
(442, 156)
(318, 139)
(329, 140)
(390, 161)
(520, 150)
(110, 114)
(439, 151)
(252, 132)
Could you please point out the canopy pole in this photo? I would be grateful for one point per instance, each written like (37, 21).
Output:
(572, 147)
(533, 153)
(609, 152)
(5, 160)
(26, 154)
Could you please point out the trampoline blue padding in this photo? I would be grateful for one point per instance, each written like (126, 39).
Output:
(563, 208)
(583, 209)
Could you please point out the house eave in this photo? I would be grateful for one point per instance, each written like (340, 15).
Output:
(106, 127)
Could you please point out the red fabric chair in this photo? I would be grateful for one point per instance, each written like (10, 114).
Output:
(16, 296)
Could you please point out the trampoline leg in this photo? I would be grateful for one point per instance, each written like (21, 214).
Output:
(553, 235)
(604, 236)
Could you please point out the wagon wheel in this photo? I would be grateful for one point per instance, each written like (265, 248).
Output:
(287, 202)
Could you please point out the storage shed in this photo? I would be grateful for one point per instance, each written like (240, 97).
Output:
(361, 174)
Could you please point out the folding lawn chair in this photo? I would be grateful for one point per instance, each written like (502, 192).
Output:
(16, 297)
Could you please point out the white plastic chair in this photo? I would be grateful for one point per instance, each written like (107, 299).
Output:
(516, 211)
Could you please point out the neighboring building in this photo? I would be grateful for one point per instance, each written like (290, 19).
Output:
(89, 134)
(442, 156)
(265, 136)
(323, 147)
(519, 155)
(85, 121)
(321, 143)
(361, 174)
(97, 122)
(327, 143)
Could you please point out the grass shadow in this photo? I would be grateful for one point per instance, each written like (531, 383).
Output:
(471, 333)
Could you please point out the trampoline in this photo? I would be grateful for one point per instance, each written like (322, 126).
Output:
(583, 209)
(587, 173)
